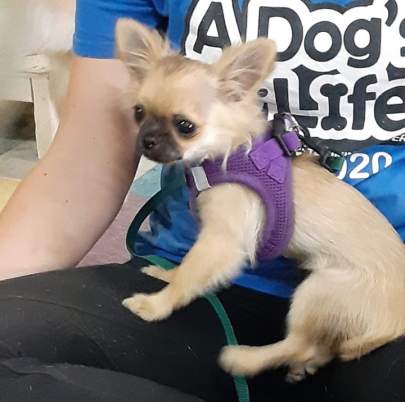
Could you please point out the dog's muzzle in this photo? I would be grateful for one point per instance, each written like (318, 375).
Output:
(156, 141)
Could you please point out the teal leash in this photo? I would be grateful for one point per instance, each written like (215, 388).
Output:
(240, 382)
(146, 210)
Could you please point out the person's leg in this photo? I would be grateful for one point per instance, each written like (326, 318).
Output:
(30, 380)
(76, 317)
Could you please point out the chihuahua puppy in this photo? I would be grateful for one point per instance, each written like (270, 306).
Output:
(353, 298)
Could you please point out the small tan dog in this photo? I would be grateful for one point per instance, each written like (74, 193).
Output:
(353, 299)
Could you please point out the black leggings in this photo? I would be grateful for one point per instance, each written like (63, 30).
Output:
(64, 337)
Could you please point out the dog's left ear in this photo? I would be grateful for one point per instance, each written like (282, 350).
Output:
(243, 68)
(138, 46)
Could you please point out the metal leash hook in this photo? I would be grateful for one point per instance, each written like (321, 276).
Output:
(327, 157)
(279, 129)
(291, 123)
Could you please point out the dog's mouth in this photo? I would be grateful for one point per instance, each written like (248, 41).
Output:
(157, 142)
(164, 156)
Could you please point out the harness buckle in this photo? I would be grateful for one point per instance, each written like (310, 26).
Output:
(200, 178)
(291, 124)
(278, 130)
(327, 157)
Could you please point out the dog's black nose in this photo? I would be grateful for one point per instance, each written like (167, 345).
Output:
(149, 143)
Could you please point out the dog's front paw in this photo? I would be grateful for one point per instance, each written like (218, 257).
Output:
(159, 273)
(297, 373)
(147, 307)
(241, 360)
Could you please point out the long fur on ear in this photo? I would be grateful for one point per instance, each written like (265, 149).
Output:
(242, 68)
(138, 46)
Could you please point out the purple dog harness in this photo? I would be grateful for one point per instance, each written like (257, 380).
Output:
(265, 169)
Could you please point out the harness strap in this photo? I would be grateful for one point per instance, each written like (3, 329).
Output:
(241, 385)
(265, 169)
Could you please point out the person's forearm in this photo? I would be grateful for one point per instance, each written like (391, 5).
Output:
(70, 198)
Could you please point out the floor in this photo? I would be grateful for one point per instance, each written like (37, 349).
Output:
(17, 158)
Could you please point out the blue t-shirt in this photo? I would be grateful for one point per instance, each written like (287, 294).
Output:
(340, 71)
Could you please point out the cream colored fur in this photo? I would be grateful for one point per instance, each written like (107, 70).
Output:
(36, 26)
(29, 27)
(353, 298)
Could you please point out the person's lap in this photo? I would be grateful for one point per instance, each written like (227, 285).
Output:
(69, 319)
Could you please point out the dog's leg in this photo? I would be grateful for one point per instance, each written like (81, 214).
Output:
(165, 275)
(206, 266)
(298, 371)
(216, 258)
(249, 360)
(359, 346)
(302, 356)
(304, 349)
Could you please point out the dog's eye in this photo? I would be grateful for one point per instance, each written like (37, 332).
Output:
(139, 113)
(185, 127)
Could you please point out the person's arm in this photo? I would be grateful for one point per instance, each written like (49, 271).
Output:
(62, 208)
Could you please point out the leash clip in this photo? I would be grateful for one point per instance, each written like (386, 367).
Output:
(327, 158)
(278, 130)
(291, 123)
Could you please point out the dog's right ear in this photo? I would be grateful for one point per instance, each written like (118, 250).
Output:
(243, 68)
(138, 46)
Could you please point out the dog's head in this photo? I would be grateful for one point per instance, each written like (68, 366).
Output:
(186, 109)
